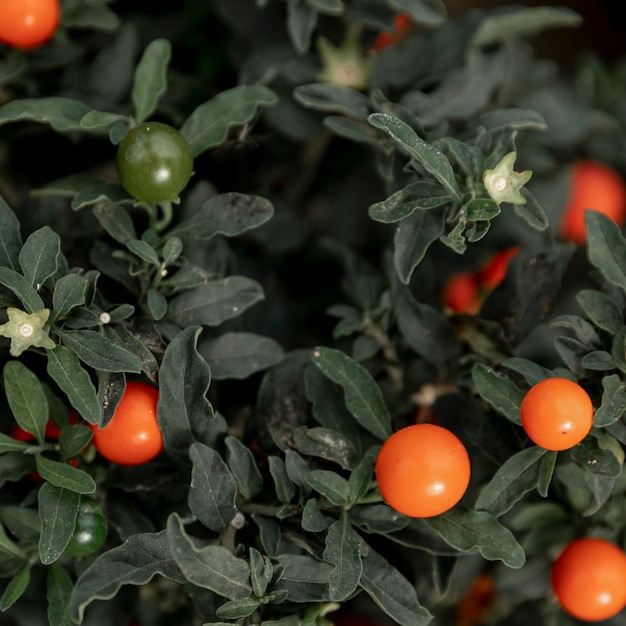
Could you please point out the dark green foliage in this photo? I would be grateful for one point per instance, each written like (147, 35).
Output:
(288, 307)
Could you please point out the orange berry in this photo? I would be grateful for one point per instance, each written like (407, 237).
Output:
(556, 413)
(401, 23)
(494, 270)
(28, 24)
(423, 470)
(132, 437)
(589, 579)
(478, 599)
(460, 293)
(593, 186)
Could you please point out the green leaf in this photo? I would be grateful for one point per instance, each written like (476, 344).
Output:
(212, 567)
(523, 23)
(157, 304)
(65, 369)
(342, 550)
(16, 587)
(481, 209)
(135, 562)
(103, 120)
(237, 609)
(516, 477)
(133, 342)
(116, 221)
(613, 403)
(244, 468)
(329, 408)
(63, 114)
(144, 251)
(213, 489)
(100, 194)
(239, 355)
(58, 509)
(285, 489)
(601, 309)
(502, 394)
(228, 214)
(65, 476)
(297, 470)
(328, 444)
(391, 591)
(69, 292)
(596, 459)
(531, 211)
(39, 258)
(304, 578)
(606, 248)
(185, 414)
(10, 238)
(8, 546)
(208, 125)
(422, 195)
(433, 160)
(27, 399)
(261, 572)
(531, 371)
(59, 587)
(214, 302)
(357, 132)
(8, 444)
(468, 530)
(363, 396)
(428, 332)
(22, 289)
(328, 7)
(427, 12)
(333, 98)
(151, 78)
(413, 237)
(301, 22)
(99, 352)
(331, 485)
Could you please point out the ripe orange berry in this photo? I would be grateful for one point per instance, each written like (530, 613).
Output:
(28, 24)
(556, 413)
(494, 270)
(593, 186)
(423, 470)
(460, 293)
(401, 23)
(476, 602)
(589, 579)
(132, 437)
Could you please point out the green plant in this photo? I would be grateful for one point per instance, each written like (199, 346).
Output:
(284, 304)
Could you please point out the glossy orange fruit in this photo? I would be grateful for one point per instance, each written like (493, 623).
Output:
(132, 437)
(460, 293)
(494, 270)
(589, 579)
(423, 470)
(28, 24)
(556, 413)
(593, 186)
(401, 23)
